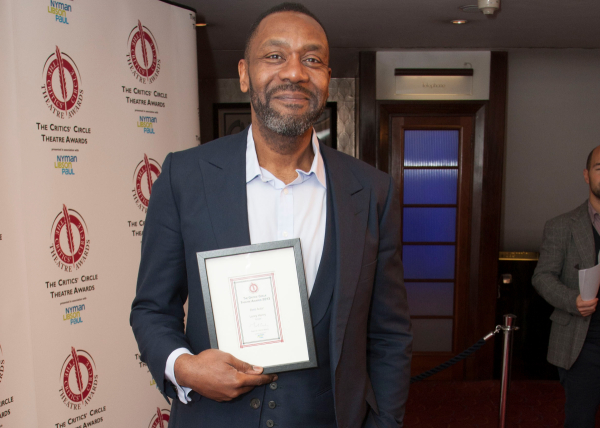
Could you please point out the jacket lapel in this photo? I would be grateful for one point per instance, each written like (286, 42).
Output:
(322, 292)
(224, 175)
(350, 205)
(584, 237)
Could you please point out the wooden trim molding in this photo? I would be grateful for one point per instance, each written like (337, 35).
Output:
(481, 367)
(367, 131)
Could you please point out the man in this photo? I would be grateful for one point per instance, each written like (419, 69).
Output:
(571, 242)
(276, 181)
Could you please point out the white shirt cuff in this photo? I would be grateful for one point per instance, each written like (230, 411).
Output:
(182, 391)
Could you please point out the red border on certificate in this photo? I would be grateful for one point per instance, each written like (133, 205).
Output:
(232, 281)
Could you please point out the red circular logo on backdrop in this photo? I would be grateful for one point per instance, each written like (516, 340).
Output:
(145, 174)
(62, 85)
(142, 55)
(253, 288)
(70, 241)
(78, 379)
(160, 418)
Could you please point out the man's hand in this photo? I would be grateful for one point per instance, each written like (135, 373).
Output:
(218, 375)
(586, 307)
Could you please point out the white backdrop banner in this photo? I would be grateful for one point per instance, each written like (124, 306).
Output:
(95, 94)
(17, 398)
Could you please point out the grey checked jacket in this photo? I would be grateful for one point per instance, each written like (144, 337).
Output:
(568, 245)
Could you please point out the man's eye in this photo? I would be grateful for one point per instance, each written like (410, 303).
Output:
(312, 60)
(274, 56)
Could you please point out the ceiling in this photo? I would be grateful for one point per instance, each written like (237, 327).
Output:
(358, 25)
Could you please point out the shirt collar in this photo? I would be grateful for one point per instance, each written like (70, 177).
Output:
(253, 169)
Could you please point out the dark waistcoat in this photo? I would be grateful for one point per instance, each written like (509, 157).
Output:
(298, 399)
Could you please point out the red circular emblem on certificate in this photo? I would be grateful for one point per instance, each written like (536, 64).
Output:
(253, 288)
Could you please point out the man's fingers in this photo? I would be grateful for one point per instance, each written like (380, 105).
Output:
(245, 389)
(219, 375)
(242, 366)
(586, 308)
(250, 380)
(583, 305)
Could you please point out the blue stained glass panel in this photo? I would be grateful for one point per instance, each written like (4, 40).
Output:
(430, 186)
(428, 261)
(431, 148)
(429, 225)
(430, 298)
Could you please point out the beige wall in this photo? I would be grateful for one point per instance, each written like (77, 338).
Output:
(553, 121)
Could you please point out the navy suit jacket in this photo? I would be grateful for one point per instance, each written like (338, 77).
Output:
(199, 203)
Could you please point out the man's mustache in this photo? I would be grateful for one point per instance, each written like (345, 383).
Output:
(289, 87)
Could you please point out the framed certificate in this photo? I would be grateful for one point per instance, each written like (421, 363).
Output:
(256, 304)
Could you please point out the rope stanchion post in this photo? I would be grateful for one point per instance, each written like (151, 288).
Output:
(507, 329)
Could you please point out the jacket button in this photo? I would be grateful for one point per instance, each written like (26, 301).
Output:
(270, 423)
(272, 404)
(273, 386)
(255, 403)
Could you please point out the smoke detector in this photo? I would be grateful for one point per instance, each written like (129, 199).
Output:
(488, 7)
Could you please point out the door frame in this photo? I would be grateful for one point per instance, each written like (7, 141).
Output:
(465, 125)
(486, 205)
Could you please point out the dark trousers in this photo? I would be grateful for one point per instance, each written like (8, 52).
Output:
(582, 388)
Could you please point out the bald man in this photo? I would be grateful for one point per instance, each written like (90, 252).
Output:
(572, 242)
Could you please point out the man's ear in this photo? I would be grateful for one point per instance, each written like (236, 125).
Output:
(586, 176)
(243, 72)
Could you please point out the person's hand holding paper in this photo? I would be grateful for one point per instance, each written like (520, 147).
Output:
(589, 281)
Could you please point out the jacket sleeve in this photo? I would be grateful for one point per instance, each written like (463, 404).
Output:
(157, 314)
(546, 278)
(389, 336)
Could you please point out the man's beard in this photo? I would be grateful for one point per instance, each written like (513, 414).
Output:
(286, 125)
(595, 191)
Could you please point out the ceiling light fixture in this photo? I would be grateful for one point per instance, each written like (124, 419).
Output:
(488, 7)
(459, 21)
(201, 24)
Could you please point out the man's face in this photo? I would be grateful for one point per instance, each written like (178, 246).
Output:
(592, 176)
(287, 73)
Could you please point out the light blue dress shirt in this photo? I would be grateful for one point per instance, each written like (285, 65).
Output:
(277, 211)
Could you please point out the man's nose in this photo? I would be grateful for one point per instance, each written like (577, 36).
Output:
(293, 70)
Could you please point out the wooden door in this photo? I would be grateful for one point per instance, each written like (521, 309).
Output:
(431, 160)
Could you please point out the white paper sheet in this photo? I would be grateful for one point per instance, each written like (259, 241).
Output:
(589, 280)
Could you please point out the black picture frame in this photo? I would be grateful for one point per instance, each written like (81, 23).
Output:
(231, 118)
(304, 302)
